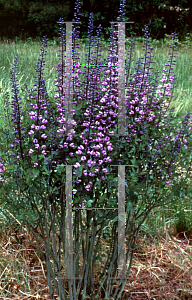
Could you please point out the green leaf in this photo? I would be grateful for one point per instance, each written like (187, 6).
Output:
(46, 170)
(99, 213)
(136, 140)
(101, 198)
(89, 202)
(149, 191)
(129, 206)
(135, 179)
(60, 169)
(97, 183)
(115, 219)
(35, 174)
(111, 177)
(133, 161)
(11, 167)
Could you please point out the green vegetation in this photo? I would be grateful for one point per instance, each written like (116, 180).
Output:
(173, 219)
(29, 50)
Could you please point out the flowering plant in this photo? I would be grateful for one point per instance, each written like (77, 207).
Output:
(37, 155)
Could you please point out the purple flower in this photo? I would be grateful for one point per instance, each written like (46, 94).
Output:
(77, 165)
(43, 136)
(100, 162)
(32, 113)
(31, 132)
(108, 159)
(56, 95)
(85, 172)
(78, 152)
(109, 148)
(167, 182)
(81, 147)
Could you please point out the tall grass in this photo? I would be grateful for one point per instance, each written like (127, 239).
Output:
(29, 51)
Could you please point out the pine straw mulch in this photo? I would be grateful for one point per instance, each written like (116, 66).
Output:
(162, 268)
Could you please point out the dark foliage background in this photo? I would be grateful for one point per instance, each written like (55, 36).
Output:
(25, 18)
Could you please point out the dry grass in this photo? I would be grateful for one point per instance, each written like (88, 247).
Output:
(162, 268)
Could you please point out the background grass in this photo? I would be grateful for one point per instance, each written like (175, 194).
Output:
(29, 51)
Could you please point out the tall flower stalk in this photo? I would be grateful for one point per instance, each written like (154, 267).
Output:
(41, 151)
